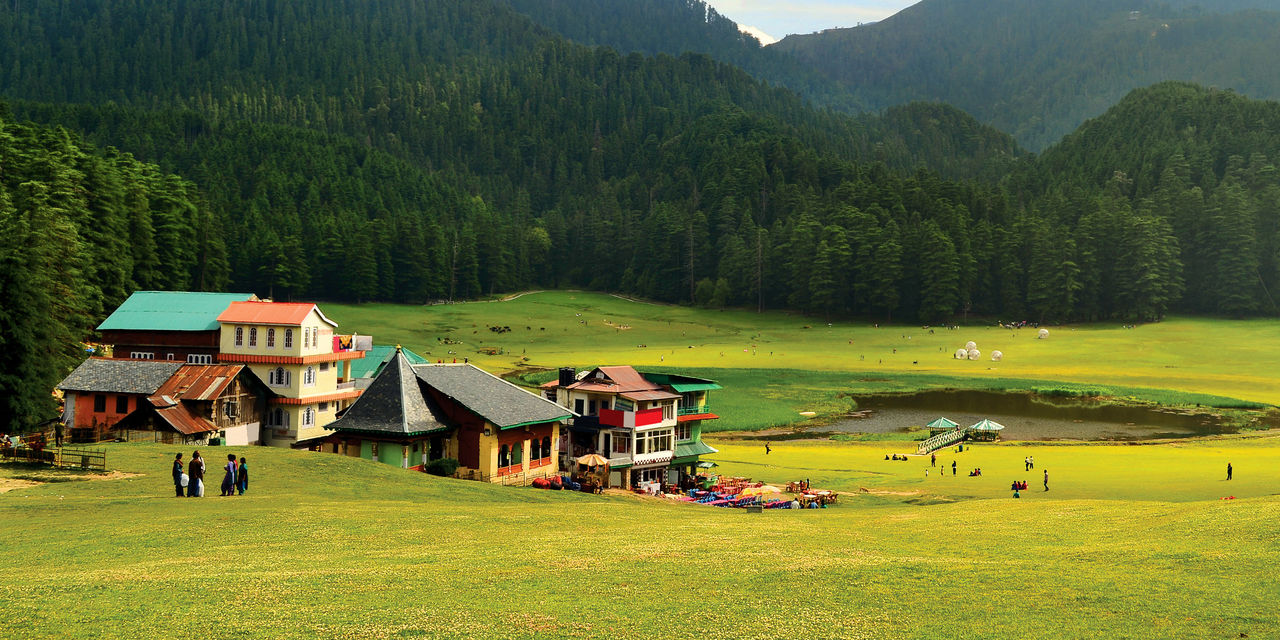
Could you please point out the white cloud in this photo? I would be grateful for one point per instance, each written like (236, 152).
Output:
(807, 16)
(763, 37)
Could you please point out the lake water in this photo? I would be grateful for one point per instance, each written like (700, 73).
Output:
(1026, 417)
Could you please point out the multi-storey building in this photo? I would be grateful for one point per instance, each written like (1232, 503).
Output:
(647, 425)
(293, 349)
(175, 326)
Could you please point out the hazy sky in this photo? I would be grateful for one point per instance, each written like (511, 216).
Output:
(774, 19)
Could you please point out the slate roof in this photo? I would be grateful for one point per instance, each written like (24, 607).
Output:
(378, 356)
(171, 311)
(393, 404)
(260, 312)
(492, 398)
(119, 376)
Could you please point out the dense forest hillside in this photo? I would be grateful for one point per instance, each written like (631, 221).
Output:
(407, 151)
(1039, 69)
(675, 27)
(80, 228)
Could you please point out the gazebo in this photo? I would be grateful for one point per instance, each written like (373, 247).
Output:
(985, 430)
(941, 425)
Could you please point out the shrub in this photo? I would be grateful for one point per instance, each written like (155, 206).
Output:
(441, 467)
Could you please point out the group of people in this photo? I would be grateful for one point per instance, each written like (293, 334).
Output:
(236, 478)
(1029, 462)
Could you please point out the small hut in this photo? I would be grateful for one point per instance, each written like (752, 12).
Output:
(997, 356)
(941, 425)
(986, 430)
(962, 354)
(970, 345)
(974, 354)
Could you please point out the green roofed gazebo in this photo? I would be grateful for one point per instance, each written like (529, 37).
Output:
(941, 425)
(985, 430)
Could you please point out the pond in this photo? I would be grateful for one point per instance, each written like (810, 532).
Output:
(1027, 416)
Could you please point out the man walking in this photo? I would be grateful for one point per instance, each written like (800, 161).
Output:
(767, 448)
(1228, 470)
(1046, 479)
(933, 459)
(953, 467)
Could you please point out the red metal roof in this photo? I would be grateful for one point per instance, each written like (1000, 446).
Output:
(649, 395)
(616, 380)
(184, 421)
(282, 313)
(197, 382)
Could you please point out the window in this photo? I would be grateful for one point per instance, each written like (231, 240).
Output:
(668, 410)
(535, 450)
(253, 336)
(122, 404)
(199, 358)
(621, 443)
(654, 441)
(278, 377)
(315, 337)
(99, 403)
(324, 366)
(308, 416)
(504, 456)
(324, 406)
(278, 418)
(580, 407)
(288, 338)
(142, 355)
(546, 447)
(684, 432)
(517, 453)
(230, 408)
(239, 336)
(271, 338)
(309, 377)
(168, 356)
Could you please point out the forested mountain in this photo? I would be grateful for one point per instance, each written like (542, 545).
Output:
(80, 228)
(675, 27)
(408, 151)
(1039, 69)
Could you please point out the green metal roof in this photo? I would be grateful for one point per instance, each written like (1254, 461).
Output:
(694, 386)
(987, 425)
(679, 383)
(942, 423)
(695, 448)
(376, 358)
(171, 311)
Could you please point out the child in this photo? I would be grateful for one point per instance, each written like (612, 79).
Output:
(242, 480)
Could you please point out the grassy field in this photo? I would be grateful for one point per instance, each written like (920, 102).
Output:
(1132, 541)
(775, 365)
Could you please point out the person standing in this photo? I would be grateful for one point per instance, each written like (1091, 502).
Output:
(195, 476)
(1228, 470)
(953, 467)
(177, 474)
(229, 479)
(933, 459)
(242, 476)
(1046, 479)
(57, 434)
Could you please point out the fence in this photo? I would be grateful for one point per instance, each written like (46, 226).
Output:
(512, 480)
(61, 458)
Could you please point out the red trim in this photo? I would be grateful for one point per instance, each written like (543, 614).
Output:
(646, 417)
(540, 462)
(697, 416)
(328, 397)
(312, 359)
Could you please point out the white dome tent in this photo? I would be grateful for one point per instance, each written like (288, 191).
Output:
(970, 345)
(961, 354)
(974, 354)
(997, 356)
(1044, 333)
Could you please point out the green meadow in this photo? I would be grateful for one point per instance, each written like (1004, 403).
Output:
(775, 365)
(1131, 541)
